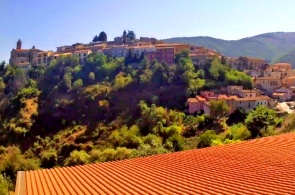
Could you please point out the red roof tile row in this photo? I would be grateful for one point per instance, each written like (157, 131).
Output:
(261, 166)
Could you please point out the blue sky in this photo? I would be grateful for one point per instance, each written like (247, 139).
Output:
(48, 24)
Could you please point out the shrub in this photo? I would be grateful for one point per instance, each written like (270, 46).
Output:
(13, 161)
(238, 132)
(3, 185)
(111, 154)
(49, 158)
(77, 158)
(267, 131)
(147, 150)
(78, 83)
(152, 140)
(217, 142)
(205, 139)
(125, 137)
(176, 141)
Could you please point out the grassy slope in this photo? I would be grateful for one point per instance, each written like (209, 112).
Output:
(268, 46)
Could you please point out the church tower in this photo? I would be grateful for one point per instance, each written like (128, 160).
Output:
(124, 37)
(19, 44)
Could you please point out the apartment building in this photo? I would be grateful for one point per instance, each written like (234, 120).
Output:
(162, 54)
(82, 55)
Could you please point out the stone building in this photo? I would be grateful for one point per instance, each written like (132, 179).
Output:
(23, 58)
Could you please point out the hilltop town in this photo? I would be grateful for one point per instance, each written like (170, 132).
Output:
(113, 100)
(272, 83)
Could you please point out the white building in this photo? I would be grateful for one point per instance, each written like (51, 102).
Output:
(82, 54)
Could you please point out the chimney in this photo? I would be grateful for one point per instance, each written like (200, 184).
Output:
(33, 47)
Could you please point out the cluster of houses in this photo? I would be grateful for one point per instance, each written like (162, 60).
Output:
(273, 83)
(151, 48)
(234, 96)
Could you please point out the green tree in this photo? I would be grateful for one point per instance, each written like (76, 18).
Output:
(3, 185)
(2, 85)
(95, 38)
(49, 158)
(77, 158)
(78, 83)
(91, 77)
(259, 119)
(2, 66)
(129, 58)
(126, 137)
(36, 71)
(206, 139)
(67, 81)
(131, 35)
(102, 36)
(122, 81)
(183, 54)
(218, 108)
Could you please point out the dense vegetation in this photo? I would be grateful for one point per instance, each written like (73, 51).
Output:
(111, 109)
(274, 47)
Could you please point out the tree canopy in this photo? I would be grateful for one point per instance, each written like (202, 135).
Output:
(101, 37)
(218, 108)
(131, 35)
(259, 119)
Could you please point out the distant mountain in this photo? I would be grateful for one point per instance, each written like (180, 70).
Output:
(274, 47)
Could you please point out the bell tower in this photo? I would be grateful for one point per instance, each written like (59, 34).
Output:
(19, 44)
(124, 37)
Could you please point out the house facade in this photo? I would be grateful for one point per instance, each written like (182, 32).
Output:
(268, 83)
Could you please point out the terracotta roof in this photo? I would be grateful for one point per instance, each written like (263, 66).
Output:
(200, 98)
(158, 48)
(248, 91)
(261, 166)
(262, 97)
(60, 54)
(225, 97)
(266, 78)
(192, 100)
(282, 64)
(221, 97)
(82, 51)
(171, 44)
(233, 97)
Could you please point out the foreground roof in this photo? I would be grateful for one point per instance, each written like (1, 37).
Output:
(261, 166)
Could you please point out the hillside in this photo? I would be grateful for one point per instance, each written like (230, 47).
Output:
(104, 110)
(273, 47)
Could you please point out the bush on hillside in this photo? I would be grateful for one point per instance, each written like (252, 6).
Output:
(4, 185)
(205, 139)
(110, 154)
(77, 158)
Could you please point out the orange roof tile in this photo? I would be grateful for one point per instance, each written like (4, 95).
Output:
(200, 98)
(262, 97)
(261, 166)
(266, 78)
(82, 51)
(192, 100)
